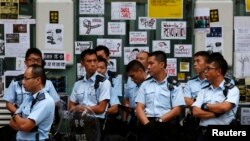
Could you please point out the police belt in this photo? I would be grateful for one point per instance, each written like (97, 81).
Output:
(156, 119)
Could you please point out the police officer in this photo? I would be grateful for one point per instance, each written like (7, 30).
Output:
(137, 73)
(116, 88)
(34, 117)
(159, 101)
(15, 93)
(132, 86)
(216, 103)
(191, 89)
(111, 125)
(86, 94)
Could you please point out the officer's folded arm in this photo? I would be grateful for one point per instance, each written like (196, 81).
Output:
(220, 108)
(171, 114)
(22, 124)
(11, 107)
(100, 107)
(203, 114)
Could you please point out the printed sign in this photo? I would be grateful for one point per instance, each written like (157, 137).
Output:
(91, 25)
(116, 28)
(131, 52)
(171, 66)
(182, 50)
(91, 7)
(82, 45)
(123, 10)
(136, 37)
(114, 45)
(146, 23)
(162, 45)
(54, 60)
(173, 30)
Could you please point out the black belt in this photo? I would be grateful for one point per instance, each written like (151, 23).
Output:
(153, 118)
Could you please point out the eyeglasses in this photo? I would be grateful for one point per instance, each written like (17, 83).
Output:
(28, 78)
(35, 60)
(209, 68)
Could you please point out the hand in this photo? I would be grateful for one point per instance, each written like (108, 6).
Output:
(150, 126)
(78, 108)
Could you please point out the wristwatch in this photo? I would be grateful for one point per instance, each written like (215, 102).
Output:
(159, 120)
(206, 106)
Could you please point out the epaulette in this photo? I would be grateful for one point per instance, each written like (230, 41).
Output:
(112, 74)
(40, 97)
(227, 86)
(81, 78)
(171, 83)
(19, 79)
(98, 78)
(195, 77)
(206, 86)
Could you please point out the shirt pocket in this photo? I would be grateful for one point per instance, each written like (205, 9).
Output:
(149, 96)
(93, 95)
(194, 92)
(164, 98)
(219, 98)
(80, 97)
(26, 111)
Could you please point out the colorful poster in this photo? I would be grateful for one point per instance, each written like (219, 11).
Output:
(116, 28)
(247, 3)
(123, 11)
(131, 52)
(82, 45)
(201, 19)
(9, 9)
(146, 23)
(162, 45)
(171, 66)
(114, 45)
(173, 30)
(91, 7)
(136, 37)
(184, 66)
(165, 9)
(91, 26)
(182, 50)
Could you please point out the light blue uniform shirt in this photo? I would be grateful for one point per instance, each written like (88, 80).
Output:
(212, 96)
(115, 90)
(85, 94)
(130, 92)
(156, 97)
(194, 86)
(16, 93)
(42, 113)
(117, 85)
